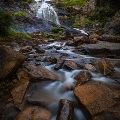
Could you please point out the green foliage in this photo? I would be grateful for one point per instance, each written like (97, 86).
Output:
(66, 3)
(55, 36)
(101, 14)
(86, 21)
(18, 35)
(56, 29)
(20, 14)
(5, 23)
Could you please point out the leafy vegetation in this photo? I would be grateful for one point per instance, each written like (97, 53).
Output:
(66, 3)
(18, 35)
(5, 23)
(56, 29)
(20, 14)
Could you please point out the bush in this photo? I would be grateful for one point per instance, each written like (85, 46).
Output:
(5, 23)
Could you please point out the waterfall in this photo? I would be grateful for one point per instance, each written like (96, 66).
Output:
(46, 12)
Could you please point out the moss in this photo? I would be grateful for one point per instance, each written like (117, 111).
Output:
(66, 3)
(18, 35)
(86, 21)
(20, 14)
(56, 29)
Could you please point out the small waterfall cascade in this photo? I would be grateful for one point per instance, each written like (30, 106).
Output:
(46, 12)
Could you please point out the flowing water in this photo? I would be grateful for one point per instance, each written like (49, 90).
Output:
(47, 94)
(46, 12)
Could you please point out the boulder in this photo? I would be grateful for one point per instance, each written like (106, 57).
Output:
(34, 113)
(10, 61)
(82, 77)
(105, 67)
(98, 99)
(103, 49)
(40, 74)
(59, 64)
(20, 89)
(72, 65)
(66, 110)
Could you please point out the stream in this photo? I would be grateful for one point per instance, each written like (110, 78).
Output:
(47, 94)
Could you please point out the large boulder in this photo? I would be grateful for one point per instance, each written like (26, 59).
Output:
(99, 100)
(10, 61)
(34, 113)
(66, 110)
(82, 77)
(40, 74)
(105, 66)
(103, 49)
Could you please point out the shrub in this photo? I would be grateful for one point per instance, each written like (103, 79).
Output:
(5, 23)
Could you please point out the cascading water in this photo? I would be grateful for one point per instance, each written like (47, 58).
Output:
(46, 12)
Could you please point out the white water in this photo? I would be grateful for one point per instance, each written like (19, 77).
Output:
(46, 12)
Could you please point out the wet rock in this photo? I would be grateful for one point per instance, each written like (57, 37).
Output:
(20, 88)
(80, 40)
(72, 65)
(59, 64)
(52, 59)
(115, 76)
(105, 49)
(97, 98)
(82, 77)
(117, 64)
(34, 113)
(90, 67)
(66, 110)
(25, 49)
(40, 74)
(70, 42)
(10, 61)
(105, 66)
(39, 50)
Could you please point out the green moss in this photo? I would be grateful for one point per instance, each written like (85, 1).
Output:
(18, 35)
(86, 21)
(56, 29)
(20, 14)
(66, 3)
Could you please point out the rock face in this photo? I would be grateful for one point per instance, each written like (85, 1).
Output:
(98, 100)
(104, 49)
(10, 61)
(39, 73)
(20, 88)
(72, 65)
(82, 77)
(90, 67)
(66, 110)
(105, 66)
(34, 113)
